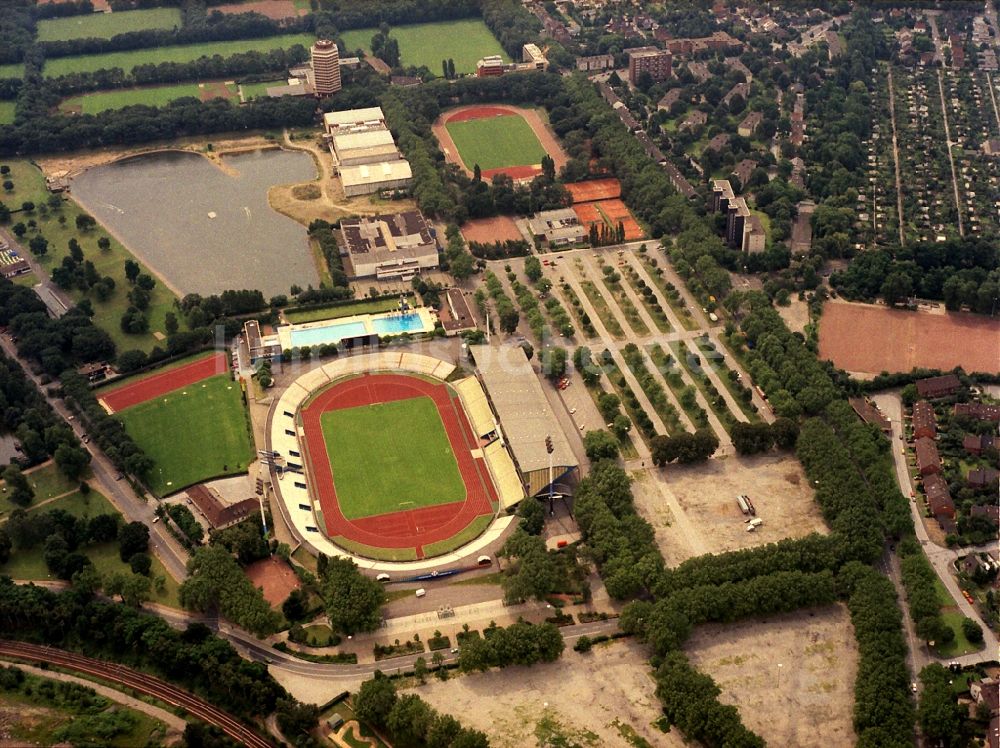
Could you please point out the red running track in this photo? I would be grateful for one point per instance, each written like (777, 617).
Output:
(153, 386)
(410, 528)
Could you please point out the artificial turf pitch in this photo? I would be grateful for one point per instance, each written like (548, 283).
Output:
(390, 457)
(192, 434)
(496, 142)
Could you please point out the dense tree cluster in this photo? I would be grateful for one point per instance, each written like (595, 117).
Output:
(245, 540)
(107, 431)
(690, 701)
(216, 582)
(195, 658)
(61, 536)
(353, 600)
(323, 234)
(619, 540)
(38, 430)
(409, 720)
(883, 711)
(754, 438)
(520, 643)
(54, 344)
(919, 579)
(960, 272)
(185, 520)
(47, 131)
(684, 447)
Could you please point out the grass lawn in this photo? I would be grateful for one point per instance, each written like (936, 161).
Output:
(256, 90)
(47, 482)
(496, 142)
(107, 25)
(192, 434)
(464, 41)
(346, 310)
(959, 645)
(476, 528)
(29, 185)
(181, 53)
(7, 112)
(99, 101)
(379, 554)
(378, 468)
(14, 70)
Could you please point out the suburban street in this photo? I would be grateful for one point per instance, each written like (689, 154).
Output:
(942, 559)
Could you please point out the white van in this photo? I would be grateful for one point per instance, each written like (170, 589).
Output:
(382, 578)
(421, 592)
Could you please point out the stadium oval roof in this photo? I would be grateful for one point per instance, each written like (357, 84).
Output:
(525, 416)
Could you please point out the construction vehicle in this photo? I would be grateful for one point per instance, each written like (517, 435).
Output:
(744, 505)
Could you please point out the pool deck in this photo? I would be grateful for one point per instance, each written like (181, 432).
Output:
(366, 322)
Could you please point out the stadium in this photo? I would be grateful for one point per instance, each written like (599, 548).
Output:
(399, 460)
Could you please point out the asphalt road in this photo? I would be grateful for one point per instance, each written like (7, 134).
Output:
(255, 649)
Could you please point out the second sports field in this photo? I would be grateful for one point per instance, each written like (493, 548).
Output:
(390, 457)
(496, 142)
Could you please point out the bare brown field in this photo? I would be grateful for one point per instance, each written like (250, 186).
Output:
(489, 230)
(791, 676)
(583, 698)
(872, 339)
(775, 483)
(276, 9)
(275, 577)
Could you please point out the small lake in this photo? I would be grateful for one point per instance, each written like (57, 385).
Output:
(158, 205)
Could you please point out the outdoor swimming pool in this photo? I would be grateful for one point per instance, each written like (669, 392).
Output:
(398, 323)
(332, 333)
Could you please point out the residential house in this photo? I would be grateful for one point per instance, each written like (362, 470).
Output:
(981, 478)
(941, 386)
(743, 170)
(928, 459)
(696, 118)
(939, 497)
(750, 124)
(670, 98)
(869, 413)
(975, 444)
(718, 143)
(924, 421)
(979, 411)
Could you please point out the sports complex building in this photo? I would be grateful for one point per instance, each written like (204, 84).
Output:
(400, 461)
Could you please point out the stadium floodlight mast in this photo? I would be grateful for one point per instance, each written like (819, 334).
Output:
(550, 449)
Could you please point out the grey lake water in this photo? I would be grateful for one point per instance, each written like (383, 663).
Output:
(158, 205)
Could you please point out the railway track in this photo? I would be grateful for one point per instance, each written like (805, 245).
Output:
(141, 682)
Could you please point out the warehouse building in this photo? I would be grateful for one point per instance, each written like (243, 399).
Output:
(516, 396)
(395, 246)
(367, 179)
(366, 147)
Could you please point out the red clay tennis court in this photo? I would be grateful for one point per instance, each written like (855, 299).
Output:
(411, 528)
(155, 385)
(595, 189)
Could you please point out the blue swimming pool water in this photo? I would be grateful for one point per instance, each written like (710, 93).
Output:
(332, 333)
(398, 323)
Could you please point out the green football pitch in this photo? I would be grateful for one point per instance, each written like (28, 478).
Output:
(495, 142)
(390, 457)
(107, 25)
(192, 434)
(180, 53)
(465, 41)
